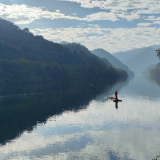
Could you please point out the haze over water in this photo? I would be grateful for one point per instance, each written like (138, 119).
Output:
(98, 130)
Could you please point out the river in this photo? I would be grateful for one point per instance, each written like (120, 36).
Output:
(88, 127)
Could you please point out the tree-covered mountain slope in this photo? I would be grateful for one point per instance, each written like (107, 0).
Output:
(81, 48)
(107, 62)
(77, 47)
(113, 60)
(25, 58)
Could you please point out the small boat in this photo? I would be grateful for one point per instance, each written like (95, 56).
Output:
(117, 100)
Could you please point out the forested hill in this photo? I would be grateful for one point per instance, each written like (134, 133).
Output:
(25, 58)
(77, 47)
(81, 48)
(113, 60)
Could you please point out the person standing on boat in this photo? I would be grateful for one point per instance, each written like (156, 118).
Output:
(116, 94)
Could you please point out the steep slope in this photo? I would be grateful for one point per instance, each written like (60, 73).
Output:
(82, 49)
(123, 56)
(25, 58)
(106, 61)
(114, 61)
(142, 60)
(155, 46)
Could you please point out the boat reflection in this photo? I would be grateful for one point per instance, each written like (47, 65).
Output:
(115, 99)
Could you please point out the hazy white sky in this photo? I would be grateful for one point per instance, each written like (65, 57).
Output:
(114, 25)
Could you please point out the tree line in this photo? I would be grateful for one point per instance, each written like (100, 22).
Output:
(25, 58)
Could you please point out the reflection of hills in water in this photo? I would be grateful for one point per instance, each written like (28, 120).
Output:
(156, 79)
(141, 86)
(110, 91)
(151, 79)
(24, 106)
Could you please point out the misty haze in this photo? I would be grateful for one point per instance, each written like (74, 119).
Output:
(79, 80)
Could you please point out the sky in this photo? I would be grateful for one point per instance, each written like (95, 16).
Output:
(114, 25)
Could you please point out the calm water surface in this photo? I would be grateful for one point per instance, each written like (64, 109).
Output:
(97, 131)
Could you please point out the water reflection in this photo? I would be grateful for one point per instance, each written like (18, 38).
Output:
(152, 79)
(141, 86)
(115, 99)
(96, 132)
(22, 107)
(116, 105)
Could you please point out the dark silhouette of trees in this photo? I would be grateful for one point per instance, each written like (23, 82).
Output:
(25, 58)
(158, 53)
(155, 73)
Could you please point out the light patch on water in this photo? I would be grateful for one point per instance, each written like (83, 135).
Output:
(98, 132)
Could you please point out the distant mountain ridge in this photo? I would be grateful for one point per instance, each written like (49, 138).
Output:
(125, 55)
(142, 60)
(63, 42)
(155, 46)
(113, 60)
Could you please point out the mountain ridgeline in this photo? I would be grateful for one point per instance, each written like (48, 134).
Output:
(77, 47)
(139, 60)
(142, 60)
(113, 60)
(25, 58)
(124, 56)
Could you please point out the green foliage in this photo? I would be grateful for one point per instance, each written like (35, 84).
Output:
(156, 158)
(25, 58)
